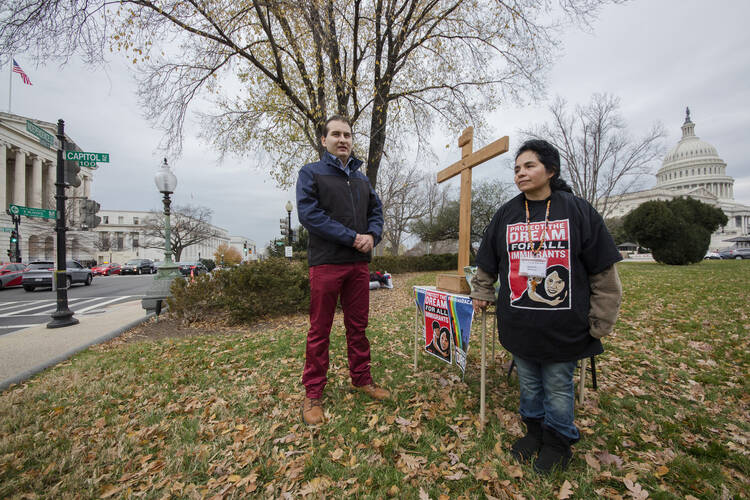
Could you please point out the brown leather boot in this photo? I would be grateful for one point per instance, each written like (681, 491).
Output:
(312, 411)
(374, 391)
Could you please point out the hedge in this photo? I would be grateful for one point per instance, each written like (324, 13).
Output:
(272, 287)
(245, 293)
(411, 264)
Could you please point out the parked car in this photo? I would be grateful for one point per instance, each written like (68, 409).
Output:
(38, 274)
(11, 274)
(712, 255)
(736, 253)
(106, 269)
(138, 266)
(192, 268)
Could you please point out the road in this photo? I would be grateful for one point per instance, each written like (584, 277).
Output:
(21, 309)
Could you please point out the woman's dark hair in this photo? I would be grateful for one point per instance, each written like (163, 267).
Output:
(336, 118)
(550, 158)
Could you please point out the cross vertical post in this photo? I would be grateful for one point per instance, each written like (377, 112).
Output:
(456, 283)
(466, 143)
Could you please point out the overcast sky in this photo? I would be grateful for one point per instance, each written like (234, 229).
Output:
(658, 57)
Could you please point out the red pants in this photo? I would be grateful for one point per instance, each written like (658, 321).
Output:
(327, 281)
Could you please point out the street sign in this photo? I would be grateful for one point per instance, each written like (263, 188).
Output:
(287, 252)
(7, 229)
(42, 213)
(45, 138)
(83, 156)
(91, 164)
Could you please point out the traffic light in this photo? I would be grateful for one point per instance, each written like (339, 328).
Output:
(72, 169)
(284, 226)
(244, 249)
(88, 210)
(13, 237)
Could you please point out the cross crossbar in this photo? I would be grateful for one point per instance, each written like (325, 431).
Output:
(488, 152)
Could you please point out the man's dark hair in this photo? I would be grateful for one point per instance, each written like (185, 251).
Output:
(550, 158)
(336, 118)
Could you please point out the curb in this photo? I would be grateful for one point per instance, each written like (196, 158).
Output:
(58, 359)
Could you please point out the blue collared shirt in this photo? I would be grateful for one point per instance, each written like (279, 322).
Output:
(345, 168)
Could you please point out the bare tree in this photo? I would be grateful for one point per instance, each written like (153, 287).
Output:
(599, 157)
(402, 191)
(436, 198)
(441, 224)
(189, 225)
(103, 241)
(392, 66)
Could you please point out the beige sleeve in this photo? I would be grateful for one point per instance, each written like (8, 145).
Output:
(606, 296)
(483, 284)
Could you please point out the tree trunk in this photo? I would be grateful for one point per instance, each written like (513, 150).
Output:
(377, 135)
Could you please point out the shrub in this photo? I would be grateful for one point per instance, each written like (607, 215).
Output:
(272, 287)
(244, 293)
(677, 231)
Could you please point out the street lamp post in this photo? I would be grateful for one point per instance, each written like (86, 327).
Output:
(289, 208)
(166, 182)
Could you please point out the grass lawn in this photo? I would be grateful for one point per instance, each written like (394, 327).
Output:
(219, 415)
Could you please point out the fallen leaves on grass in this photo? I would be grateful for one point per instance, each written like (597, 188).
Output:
(215, 412)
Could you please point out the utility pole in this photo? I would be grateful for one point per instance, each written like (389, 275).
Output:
(63, 316)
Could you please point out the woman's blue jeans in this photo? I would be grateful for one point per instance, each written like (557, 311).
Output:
(547, 394)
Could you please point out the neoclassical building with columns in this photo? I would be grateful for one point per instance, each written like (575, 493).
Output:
(693, 168)
(27, 178)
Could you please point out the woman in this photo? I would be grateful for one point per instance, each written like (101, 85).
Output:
(559, 294)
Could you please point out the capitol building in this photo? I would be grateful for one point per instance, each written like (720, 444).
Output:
(694, 169)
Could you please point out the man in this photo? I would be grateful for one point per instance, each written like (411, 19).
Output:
(342, 213)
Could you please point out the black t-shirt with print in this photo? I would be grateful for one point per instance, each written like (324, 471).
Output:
(547, 319)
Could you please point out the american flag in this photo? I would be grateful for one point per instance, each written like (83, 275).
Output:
(17, 69)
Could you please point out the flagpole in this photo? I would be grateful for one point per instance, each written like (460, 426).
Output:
(10, 80)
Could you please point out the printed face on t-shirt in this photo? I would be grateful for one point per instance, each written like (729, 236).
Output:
(554, 284)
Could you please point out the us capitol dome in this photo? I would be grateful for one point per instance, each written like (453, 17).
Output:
(693, 168)
(695, 164)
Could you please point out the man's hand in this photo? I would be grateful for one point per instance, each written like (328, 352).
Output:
(479, 305)
(364, 242)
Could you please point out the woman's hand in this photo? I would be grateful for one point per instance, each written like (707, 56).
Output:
(480, 305)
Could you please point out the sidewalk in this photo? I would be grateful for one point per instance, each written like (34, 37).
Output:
(25, 353)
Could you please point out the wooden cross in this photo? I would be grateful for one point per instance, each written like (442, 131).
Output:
(456, 283)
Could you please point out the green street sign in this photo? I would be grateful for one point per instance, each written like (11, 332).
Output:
(83, 156)
(91, 164)
(41, 213)
(7, 229)
(45, 138)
